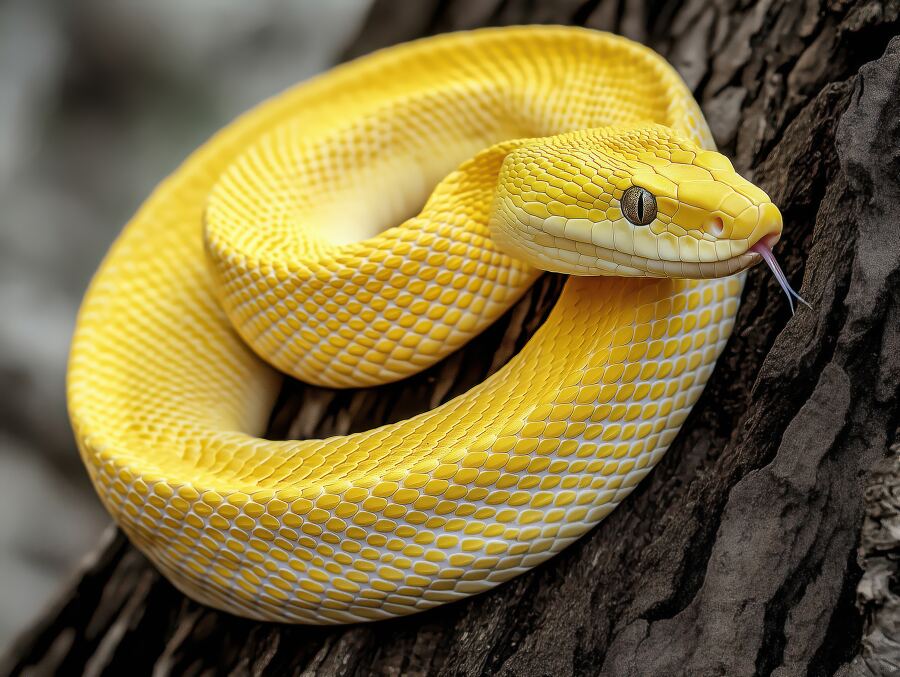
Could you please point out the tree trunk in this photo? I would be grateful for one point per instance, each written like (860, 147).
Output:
(744, 551)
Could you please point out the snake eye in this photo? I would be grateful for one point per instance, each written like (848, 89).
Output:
(638, 205)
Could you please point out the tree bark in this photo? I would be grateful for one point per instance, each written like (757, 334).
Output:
(755, 547)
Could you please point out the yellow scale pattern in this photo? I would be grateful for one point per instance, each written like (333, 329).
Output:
(270, 240)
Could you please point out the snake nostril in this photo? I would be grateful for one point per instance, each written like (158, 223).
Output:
(715, 226)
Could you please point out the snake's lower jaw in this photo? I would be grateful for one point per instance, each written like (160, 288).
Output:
(707, 270)
(745, 261)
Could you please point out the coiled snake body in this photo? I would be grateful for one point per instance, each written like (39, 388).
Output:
(551, 149)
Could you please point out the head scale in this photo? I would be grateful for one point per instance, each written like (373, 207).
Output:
(639, 201)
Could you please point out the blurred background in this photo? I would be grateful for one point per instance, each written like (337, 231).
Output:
(99, 100)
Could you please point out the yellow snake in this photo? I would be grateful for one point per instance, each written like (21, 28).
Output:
(277, 243)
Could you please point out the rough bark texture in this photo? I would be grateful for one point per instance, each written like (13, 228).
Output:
(741, 554)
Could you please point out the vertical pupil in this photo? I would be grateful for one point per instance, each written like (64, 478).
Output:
(640, 206)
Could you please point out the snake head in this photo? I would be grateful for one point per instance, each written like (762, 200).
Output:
(638, 201)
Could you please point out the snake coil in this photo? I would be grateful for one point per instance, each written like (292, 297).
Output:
(282, 243)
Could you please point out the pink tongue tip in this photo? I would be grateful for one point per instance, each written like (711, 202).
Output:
(766, 253)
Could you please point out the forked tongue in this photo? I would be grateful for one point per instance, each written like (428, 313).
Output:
(766, 252)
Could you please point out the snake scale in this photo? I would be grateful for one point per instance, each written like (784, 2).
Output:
(286, 244)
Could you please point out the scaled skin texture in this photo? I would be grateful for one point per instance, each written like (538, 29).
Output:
(286, 241)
